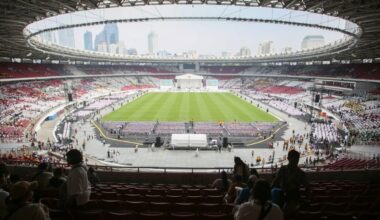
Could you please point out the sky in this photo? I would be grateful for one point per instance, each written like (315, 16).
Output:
(206, 37)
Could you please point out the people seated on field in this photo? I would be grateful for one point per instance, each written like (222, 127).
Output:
(245, 193)
(58, 179)
(20, 205)
(92, 176)
(259, 207)
(223, 183)
(78, 187)
(42, 176)
(236, 185)
(241, 169)
(287, 184)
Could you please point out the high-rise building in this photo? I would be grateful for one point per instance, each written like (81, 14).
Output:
(266, 48)
(66, 37)
(49, 36)
(88, 40)
(287, 49)
(109, 35)
(152, 43)
(132, 51)
(245, 52)
(312, 41)
(226, 54)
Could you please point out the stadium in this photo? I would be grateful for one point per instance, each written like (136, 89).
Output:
(180, 129)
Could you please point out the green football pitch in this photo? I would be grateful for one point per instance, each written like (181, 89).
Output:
(207, 107)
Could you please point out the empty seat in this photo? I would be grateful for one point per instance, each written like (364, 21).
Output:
(215, 216)
(110, 205)
(306, 215)
(119, 215)
(151, 216)
(88, 215)
(210, 207)
(154, 198)
(159, 206)
(182, 215)
(135, 206)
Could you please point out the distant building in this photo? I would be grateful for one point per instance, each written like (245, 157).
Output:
(287, 50)
(102, 47)
(109, 35)
(49, 36)
(66, 37)
(312, 41)
(132, 51)
(152, 43)
(245, 52)
(88, 40)
(226, 54)
(163, 53)
(266, 48)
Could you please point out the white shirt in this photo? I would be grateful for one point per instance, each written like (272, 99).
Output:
(78, 184)
(251, 211)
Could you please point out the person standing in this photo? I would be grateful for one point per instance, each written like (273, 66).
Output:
(78, 186)
(241, 169)
(288, 181)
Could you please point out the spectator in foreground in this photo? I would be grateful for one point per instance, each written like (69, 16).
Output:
(42, 176)
(259, 207)
(57, 180)
(222, 184)
(20, 204)
(287, 184)
(241, 169)
(234, 189)
(246, 191)
(78, 186)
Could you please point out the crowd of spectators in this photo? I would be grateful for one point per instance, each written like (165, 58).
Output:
(20, 196)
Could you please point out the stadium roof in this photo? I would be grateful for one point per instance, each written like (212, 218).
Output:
(16, 15)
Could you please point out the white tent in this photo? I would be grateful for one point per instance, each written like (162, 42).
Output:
(189, 81)
(189, 140)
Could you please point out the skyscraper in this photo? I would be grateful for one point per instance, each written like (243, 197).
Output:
(152, 42)
(66, 37)
(109, 35)
(49, 36)
(266, 48)
(245, 52)
(312, 41)
(88, 40)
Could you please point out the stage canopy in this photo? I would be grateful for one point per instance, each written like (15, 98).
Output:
(189, 141)
(189, 81)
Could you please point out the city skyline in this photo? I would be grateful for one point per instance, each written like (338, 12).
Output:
(205, 37)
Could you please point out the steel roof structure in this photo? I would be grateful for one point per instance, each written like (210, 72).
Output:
(15, 15)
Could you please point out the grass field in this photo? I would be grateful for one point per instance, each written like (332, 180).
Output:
(211, 107)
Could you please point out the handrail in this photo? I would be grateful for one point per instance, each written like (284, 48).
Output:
(142, 169)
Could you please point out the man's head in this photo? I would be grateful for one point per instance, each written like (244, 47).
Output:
(251, 181)
(22, 191)
(43, 166)
(237, 160)
(293, 157)
(74, 157)
(261, 191)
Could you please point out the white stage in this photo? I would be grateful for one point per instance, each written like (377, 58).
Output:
(189, 141)
(189, 81)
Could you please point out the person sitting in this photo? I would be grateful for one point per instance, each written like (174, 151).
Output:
(78, 187)
(222, 184)
(236, 185)
(20, 204)
(57, 180)
(42, 176)
(288, 181)
(259, 207)
(246, 191)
